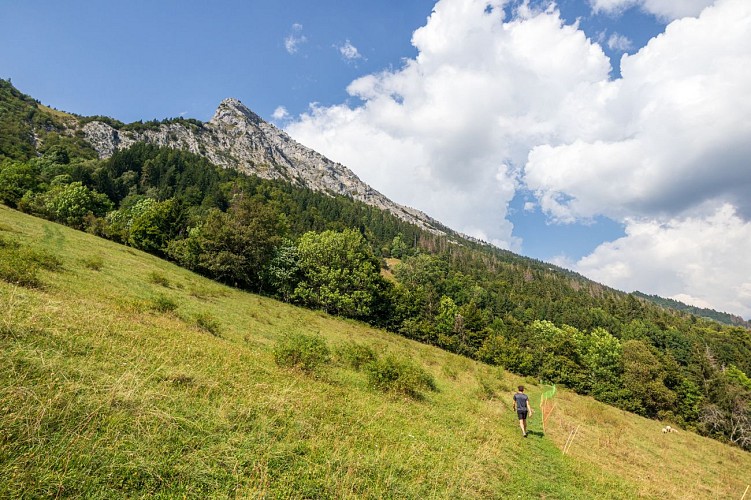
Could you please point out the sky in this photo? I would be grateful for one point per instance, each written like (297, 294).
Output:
(611, 137)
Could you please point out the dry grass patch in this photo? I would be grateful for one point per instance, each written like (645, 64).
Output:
(678, 465)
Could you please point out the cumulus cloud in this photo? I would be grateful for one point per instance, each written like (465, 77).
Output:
(673, 130)
(663, 9)
(698, 260)
(671, 160)
(349, 52)
(293, 41)
(449, 131)
(619, 42)
(280, 113)
(493, 104)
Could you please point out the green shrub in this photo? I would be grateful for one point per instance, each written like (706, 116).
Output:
(6, 243)
(95, 263)
(449, 371)
(16, 270)
(486, 389)
(492, 385)
(163, 304)
(306, 352)
(45, 260)
(66, 203)
(401, 376)
(159, 279)
(356, 355)
(20, 265)
(208, 323)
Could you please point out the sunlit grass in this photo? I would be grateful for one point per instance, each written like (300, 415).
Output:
(125, 376)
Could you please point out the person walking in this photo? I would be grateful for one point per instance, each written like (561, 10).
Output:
(521, 403)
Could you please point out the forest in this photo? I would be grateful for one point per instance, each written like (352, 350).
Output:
(352, 260)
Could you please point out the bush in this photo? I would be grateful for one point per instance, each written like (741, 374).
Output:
(163, 304)
(15, 180)
(450, 371)
(306, 352)
(45, 260)
(486, 389)
(159, 279)
(95, 263)
(16, 270)
(19, 265)
(490, 387)
(208, 323)
(356, 355)
(69, 204)
(401, 376)
(6, 243)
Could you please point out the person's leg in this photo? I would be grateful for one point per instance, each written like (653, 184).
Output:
(522, 420)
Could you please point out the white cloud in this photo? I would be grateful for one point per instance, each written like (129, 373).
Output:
(490, 105)
(705, 256)
(293, 41)
(619, 42)
(280, 113)
(448, 131)
(671, 159)
(349, 52)
(692, 301)
(663, 9)
(673, 132)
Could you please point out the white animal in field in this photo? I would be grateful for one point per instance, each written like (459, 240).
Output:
(668, 429)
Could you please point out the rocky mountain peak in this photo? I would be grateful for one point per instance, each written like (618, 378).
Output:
(232, 111)
(236, 137)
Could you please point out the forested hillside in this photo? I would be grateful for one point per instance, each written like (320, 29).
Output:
(350, 259)
(702, 312)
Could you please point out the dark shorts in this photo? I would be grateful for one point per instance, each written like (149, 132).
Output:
(522, 414)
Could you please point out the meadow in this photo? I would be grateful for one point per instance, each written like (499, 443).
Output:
(123, 375)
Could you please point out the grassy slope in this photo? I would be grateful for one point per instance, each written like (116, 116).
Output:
(103, 395)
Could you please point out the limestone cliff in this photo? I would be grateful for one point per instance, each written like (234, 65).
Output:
(235, 137)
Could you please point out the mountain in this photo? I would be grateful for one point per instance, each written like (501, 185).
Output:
(234, 138)
(238, 138)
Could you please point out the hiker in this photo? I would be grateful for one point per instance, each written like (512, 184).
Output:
(521, 403)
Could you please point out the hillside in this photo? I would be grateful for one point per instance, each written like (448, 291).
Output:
(327, 252)
(702, 312)
(123, 375)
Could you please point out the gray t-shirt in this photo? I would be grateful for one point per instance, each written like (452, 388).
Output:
(521, 401)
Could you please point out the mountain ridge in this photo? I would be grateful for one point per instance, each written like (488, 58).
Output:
(702, 312)
(236, 137)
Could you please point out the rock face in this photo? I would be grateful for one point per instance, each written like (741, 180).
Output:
(235, 137)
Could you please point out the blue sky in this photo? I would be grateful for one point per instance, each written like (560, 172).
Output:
(145, 59)
(516, 122)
